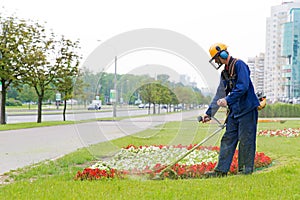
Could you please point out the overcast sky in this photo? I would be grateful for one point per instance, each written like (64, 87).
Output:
(239, 24)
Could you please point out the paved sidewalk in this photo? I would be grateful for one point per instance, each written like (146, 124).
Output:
(19, 148)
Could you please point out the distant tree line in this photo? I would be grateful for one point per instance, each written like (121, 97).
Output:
(36, 64)
(131, 88)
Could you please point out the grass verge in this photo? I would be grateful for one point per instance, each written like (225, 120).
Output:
(24, 125)
(54, 179)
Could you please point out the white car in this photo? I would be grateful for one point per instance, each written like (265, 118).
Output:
(94, 107)
(141, 105)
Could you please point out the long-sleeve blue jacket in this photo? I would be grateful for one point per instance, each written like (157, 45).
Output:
(242, 98)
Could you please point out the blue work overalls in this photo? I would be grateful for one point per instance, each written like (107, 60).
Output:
(241, 124)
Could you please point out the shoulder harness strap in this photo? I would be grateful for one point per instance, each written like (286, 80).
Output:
(229, 76)
(231, 68)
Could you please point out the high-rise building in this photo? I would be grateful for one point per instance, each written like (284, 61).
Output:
(256, 66)
(282, 42)
(291, 51)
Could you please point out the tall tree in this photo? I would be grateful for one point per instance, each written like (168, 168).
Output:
(164, 96)
(146, 92)
(40, 62)
(67, 62)
(14, 41)
(49, 59)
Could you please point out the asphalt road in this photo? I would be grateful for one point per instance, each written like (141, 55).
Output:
(19, 148)
(48, 116)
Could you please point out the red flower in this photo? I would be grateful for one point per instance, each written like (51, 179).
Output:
(177, 171)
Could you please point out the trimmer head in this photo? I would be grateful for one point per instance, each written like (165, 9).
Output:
(199, 118)
(172, 173)
(158, 177)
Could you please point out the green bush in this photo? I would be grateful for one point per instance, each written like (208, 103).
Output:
(13, 102)
(280, 110)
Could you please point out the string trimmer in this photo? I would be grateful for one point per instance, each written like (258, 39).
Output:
(169, 166)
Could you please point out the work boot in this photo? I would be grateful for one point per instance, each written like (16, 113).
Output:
(245, 170)
(215, 174)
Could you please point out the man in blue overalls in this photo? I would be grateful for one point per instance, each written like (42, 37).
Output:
(236, 92)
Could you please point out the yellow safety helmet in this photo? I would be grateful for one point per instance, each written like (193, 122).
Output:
(217, 48)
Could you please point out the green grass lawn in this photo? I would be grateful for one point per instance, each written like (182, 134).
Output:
(54, 179)
(15, 126)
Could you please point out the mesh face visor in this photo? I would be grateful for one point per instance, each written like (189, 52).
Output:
(213, 62)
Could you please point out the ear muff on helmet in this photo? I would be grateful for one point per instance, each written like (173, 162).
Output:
(224, 54)
(221, 52)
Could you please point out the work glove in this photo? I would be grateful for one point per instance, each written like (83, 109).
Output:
(204, 119)
(222, 102)
(262, 104)
(262, 100)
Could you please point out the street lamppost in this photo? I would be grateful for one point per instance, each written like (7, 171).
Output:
(115, 88)
(115, 81)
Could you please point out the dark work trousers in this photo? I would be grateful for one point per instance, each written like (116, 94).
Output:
(239, 131)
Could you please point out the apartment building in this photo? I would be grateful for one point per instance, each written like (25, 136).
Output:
(256, 66)
(282, 63)
(291, 51)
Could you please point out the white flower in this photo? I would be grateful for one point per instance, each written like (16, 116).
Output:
(139, 158)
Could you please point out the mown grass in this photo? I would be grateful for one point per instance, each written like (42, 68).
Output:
(15, 126)
(24, 125)
(54, 179)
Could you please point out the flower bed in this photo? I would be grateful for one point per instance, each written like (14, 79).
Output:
(271, 120)
(150, 160)
(289, 132)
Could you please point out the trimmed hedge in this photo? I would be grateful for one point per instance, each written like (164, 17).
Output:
(280, 110)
